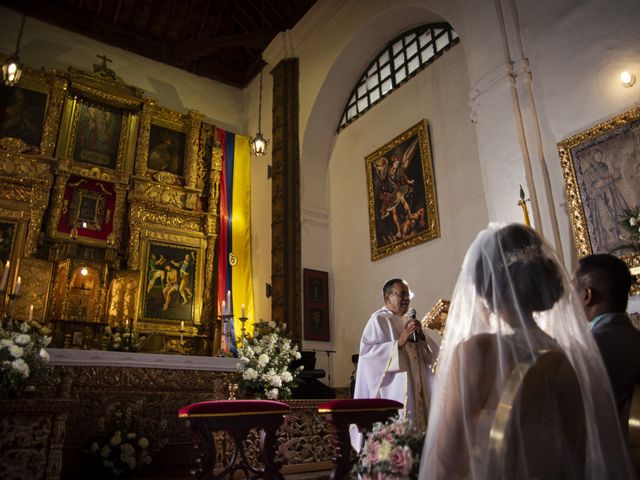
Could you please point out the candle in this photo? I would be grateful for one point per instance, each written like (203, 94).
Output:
(31, 313)
(229, 301)
(16, 289)
(224, 307)
(182, 325)
(242, 310)
(5, 276)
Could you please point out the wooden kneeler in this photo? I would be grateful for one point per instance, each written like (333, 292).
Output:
(237, 418)
(363, 412)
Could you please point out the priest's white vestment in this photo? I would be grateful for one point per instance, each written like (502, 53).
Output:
(387, 371)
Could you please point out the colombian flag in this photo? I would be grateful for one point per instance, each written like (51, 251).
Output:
(234, 240)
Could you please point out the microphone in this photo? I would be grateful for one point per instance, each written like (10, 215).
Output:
(414, 334)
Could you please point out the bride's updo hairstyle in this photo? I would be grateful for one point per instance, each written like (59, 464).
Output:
(513, 274)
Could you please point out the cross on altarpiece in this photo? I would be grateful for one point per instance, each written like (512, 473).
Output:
(102, 69)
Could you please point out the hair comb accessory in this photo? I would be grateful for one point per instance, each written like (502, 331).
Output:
(528, 254)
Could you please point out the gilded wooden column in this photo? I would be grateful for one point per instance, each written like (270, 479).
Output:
(209, 313)
(285, 223)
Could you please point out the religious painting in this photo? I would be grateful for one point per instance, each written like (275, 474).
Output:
(601, 171)
(22, 114)
(316, 305)
(84, 211)
(166, 150)
(169, 283)
(87, 209)
(97, 136)
(403, 210)
(7, 235)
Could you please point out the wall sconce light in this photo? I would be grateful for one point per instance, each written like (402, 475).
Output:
(627, 79)
(259, 143)
(12, 67)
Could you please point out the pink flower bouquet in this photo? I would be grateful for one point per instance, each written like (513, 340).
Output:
(391, 451)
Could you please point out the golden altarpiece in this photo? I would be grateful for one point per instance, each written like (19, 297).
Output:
(96, 180)
(105, 196)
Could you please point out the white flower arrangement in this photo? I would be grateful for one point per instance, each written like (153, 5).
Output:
(265, 364)
(120, 339)
(125, 451)
(23, 356)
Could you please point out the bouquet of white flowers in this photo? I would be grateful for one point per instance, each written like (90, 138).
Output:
(392, 451)
(23, 358)
(125, 451)
(120, 339)
(265, 365)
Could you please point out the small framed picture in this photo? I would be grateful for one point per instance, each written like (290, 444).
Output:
(316, 305)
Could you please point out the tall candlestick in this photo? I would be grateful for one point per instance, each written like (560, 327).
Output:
(181, 325)
(16, 289)
(31, 313)
(224, 307)
(229, 301)
(242, 309)
(5, 275)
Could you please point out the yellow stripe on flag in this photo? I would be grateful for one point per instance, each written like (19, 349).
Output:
(242, 285)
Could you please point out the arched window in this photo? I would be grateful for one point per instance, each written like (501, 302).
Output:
(401, 59)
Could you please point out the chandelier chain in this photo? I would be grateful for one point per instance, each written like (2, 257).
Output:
(24, 18)
(260, 105)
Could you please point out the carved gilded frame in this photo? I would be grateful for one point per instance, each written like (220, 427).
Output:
(150, 236)
(107, 95)
(79, 216)
(403, 209)
(598, 171)
(187, 124)
(52, 85)
(114, 214)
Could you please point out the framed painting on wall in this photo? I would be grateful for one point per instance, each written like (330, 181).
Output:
(22, 114)
(7, 235)
(316, 305)
(97, 137)
(169, 282)
(166, 150)
(601, 173)
(403, 210)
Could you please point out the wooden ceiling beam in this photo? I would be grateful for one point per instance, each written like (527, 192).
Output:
(116, 15)
(172, 10)
(282, 20)
(209, 44)
(255, 25)
(205, 16)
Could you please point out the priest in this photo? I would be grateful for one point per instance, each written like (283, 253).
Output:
(395, 358)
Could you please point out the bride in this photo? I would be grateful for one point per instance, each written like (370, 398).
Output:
(512, 303)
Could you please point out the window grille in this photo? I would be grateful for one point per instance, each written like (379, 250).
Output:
(401, 59)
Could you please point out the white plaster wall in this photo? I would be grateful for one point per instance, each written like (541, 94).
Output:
(577, 50)
(437, 94)
(46, 46)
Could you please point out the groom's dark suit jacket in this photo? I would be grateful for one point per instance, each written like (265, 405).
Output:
(619, 344)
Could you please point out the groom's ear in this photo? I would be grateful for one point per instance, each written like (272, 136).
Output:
(588, 296)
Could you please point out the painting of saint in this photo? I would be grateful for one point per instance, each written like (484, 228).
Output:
(98, 136)
(166, 150)
(169, 283)
(608, 172)
(401, 190)
(399, 195)
(22, 114)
